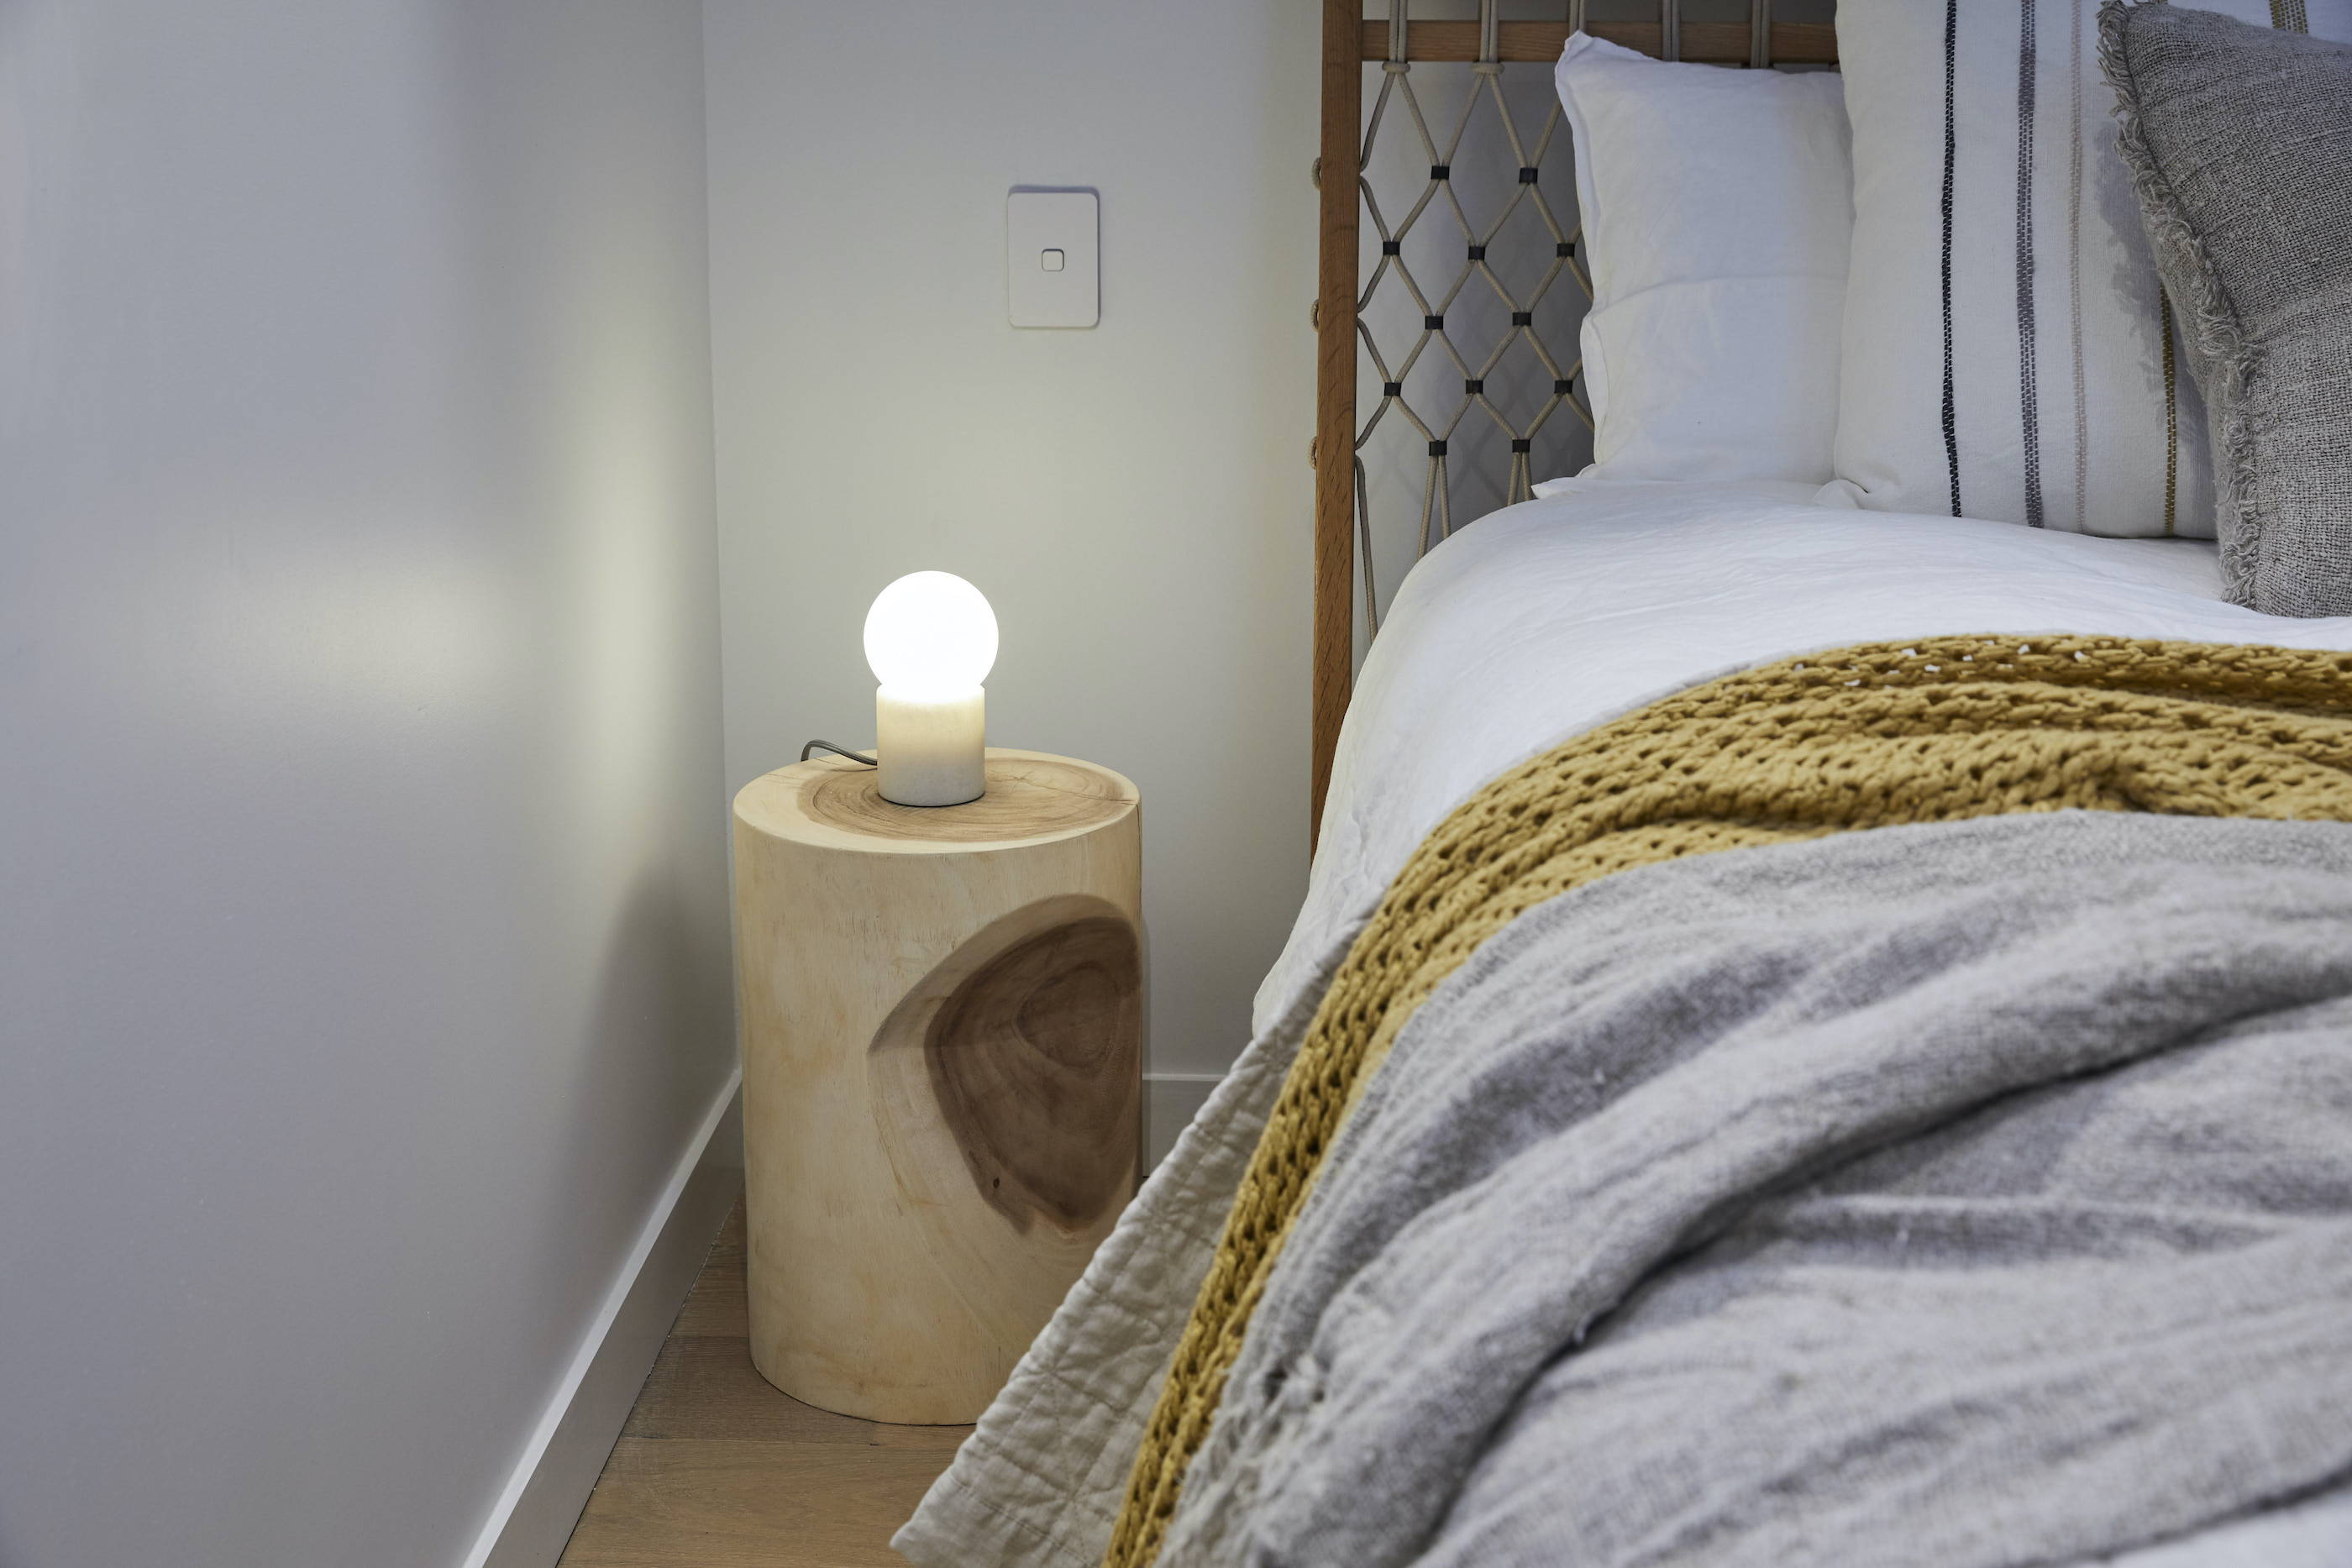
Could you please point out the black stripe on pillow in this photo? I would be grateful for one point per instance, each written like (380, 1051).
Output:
(1951, 154)
(2028, 398)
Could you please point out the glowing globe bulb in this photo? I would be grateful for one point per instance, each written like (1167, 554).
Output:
(930, 631)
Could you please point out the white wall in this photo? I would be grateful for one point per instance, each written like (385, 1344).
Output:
(1135, 499)
(363, 967)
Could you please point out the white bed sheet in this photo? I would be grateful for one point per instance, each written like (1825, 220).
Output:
(1544, 620)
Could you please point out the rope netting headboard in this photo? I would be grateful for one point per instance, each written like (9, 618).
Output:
(1452, 283)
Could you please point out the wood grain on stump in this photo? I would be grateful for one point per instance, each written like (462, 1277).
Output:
(1026, 800)
(1031, 1036)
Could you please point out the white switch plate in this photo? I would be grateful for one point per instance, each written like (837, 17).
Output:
(1052, 272)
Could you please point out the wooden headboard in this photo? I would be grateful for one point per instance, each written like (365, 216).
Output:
(1395, 43)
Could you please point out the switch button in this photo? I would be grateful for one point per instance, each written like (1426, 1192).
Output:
(1053, 269)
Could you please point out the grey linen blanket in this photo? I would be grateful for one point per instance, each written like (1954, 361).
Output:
(1973, 1194)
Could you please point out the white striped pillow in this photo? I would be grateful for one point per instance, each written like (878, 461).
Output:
(2007, 352)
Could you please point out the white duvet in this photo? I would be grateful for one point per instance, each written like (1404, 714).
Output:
(1542, 620)
(1526, 628)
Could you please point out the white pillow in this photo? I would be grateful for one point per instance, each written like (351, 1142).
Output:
(2011, 276)
(1717, 213)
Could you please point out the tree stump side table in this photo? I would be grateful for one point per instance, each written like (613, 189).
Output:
(943, 1027)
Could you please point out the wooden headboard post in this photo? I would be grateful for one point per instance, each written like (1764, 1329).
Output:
(1334, 452)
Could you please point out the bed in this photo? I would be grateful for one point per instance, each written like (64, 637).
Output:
(1634, 1162)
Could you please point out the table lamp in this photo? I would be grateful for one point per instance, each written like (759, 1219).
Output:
(931, 639)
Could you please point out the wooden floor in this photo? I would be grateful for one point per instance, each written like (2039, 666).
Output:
(717, 1470)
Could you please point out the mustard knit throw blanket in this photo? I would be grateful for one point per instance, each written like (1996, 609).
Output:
(1874, 736)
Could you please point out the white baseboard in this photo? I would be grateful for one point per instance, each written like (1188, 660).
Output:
(533, 1517)
(1170, 1100)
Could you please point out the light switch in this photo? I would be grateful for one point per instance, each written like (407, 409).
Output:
(1052, 270)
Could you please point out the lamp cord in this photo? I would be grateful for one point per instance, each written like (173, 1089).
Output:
(838, 751)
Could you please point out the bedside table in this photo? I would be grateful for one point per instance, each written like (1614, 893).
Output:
(943, 1027)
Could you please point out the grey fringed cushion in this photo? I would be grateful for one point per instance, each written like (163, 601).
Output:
(2239, 143)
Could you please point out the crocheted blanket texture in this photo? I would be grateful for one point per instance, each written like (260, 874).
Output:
(1874, 736)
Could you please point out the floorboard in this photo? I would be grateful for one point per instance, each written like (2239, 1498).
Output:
(717, 1470)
